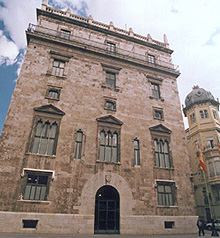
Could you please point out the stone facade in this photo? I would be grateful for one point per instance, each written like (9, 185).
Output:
(82, 80)
(204, 128)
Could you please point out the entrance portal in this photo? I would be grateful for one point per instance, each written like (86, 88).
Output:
(107, 211)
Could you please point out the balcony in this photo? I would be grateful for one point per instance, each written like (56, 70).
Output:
(97, 47)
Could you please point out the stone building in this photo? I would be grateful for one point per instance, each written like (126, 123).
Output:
(94, 140)
(201, 109)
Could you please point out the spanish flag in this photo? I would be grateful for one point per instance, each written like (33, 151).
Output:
(201, 159)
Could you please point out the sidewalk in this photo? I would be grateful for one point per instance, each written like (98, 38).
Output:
(30, 235)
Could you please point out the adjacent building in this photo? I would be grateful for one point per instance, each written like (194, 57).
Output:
(201, 109)
(94, 141)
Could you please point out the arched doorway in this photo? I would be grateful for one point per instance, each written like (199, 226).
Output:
(107, 211)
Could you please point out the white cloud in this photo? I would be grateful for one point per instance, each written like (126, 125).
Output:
(8, 50)
(189, 25)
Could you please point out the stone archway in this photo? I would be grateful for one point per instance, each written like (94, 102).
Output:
(95, 182)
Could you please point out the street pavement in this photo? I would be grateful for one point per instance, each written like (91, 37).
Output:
(31, 235)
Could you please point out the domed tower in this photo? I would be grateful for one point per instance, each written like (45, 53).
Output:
(201, 110)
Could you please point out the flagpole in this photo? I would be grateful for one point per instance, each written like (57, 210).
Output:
(207, 191)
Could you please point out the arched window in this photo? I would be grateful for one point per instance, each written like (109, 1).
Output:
(203, 114)
(78, 145)
(108, 146)
(162, 157)
(136, 152)
(45, 138)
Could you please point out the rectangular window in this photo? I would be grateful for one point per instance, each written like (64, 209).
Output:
(214, 114)
(158, 114)
(169, 224)
(29, 223)
(211, 170)
(155, 88)
(203, 114)
(165, 194)
(53, 94)
(36, 187)
(45, 138)
(58, 68)
(78, 145)
(210, 142)
(217, 193)
(151, 59)
(217, 165)
(108, 147)
(111, 47)
(64, 34)
(136, 152)
(162, 157)
(110, 80)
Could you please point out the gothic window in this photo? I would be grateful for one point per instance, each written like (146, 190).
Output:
(109, 129)
(64, 34)
(108, 147)
(44, 138)
(136, 152)
(162, 157)
(203, 114)
(151, 59)
(78, 145)
(166, 193)
(161, 143)
(155, 88)
(36, 187)
(111, 47)
(45, 130)
(58, 68)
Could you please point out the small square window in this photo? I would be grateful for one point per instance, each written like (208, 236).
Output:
(65, 34)
(53, 94)
(111, 47)
(158, 114)
(151, 59)
(169, 224)
(110, 105)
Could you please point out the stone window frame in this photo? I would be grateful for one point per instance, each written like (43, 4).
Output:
(173, 192)
(112, 125)
(79, 145)
(60, 57)
(212, 166)
(46, 113)
(111, 100)
(204, 114)
(55, 88)
(110, 46)
(65, 33)
(151, 59)
(215, 114)
(192, 118)
(161, 133)
(155, 81)
(36, 172)
(112, 70)
(159, 110)
(137, 154)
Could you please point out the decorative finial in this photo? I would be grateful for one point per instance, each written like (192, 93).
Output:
(195, 86)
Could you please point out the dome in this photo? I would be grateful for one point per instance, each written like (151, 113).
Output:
(198, 95)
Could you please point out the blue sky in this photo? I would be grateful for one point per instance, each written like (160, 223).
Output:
(192, 28)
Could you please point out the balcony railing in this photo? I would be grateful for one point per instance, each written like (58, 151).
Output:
(99, 47)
